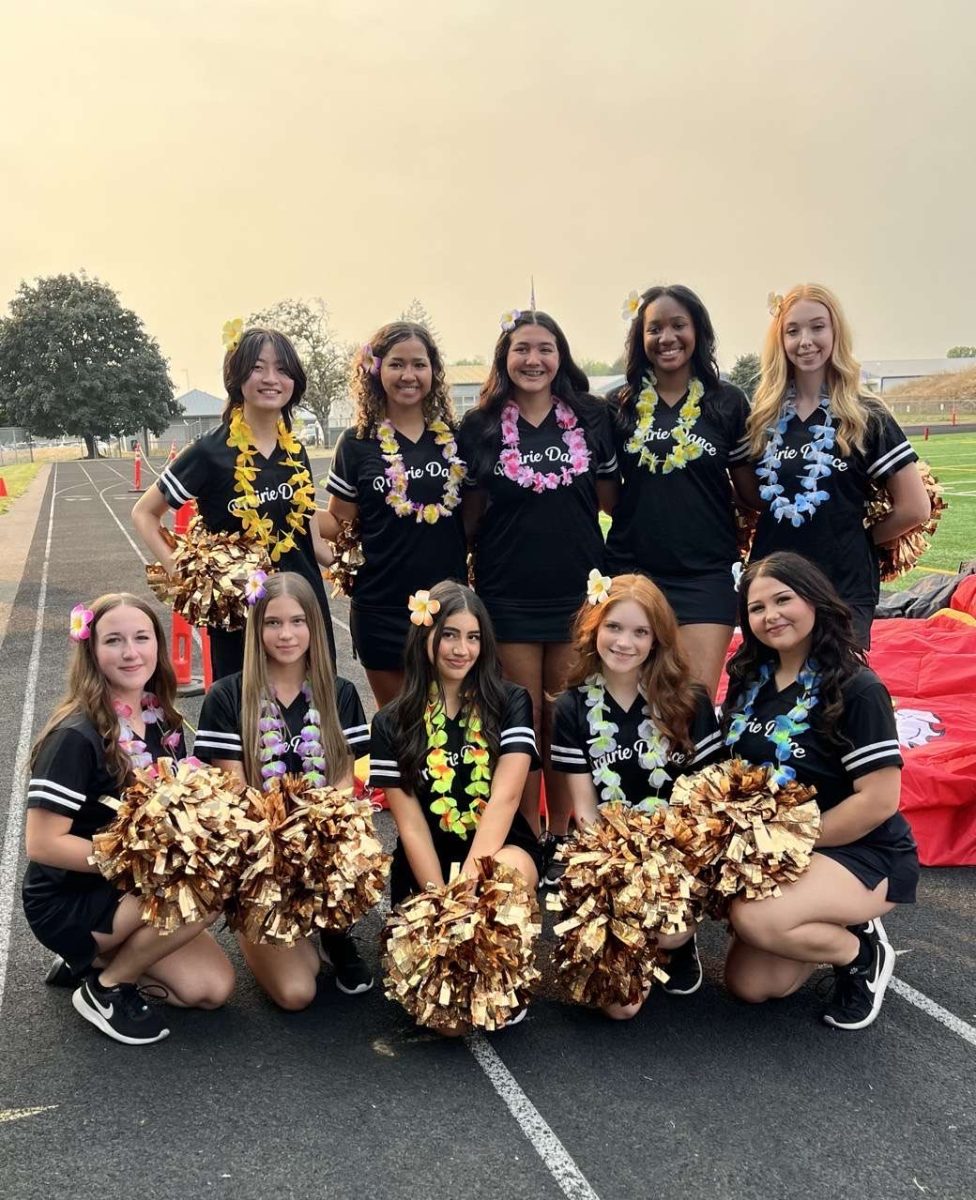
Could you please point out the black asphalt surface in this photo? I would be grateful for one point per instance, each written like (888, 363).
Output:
(699, 1097)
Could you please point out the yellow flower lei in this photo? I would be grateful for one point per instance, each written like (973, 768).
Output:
(684, 450)
(261, 529)
(441, 773)
(397, 498)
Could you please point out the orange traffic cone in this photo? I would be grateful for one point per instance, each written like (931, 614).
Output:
(137, 471)
(3, 487)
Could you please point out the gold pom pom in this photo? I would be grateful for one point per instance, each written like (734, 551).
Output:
(462, 956)
(175, 843)
(211, 571)
(903, 553)
(624, 885)
(312, 862)
(348, 559)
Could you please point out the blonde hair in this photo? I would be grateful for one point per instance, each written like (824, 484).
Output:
(851, 403)
(318, 666)
(89, 695)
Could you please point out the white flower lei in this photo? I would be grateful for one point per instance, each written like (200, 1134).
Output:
(603, 731)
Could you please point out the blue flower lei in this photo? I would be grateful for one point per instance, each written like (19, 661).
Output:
(787, 726)
(804, 504)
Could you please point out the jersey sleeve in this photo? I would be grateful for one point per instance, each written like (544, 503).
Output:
(887, 449)
(186, 477)
(62, 773)
(869, 726)
(709, 744)
(352, 718)
(219, 733)
(341, 481)
(384, 770)
(468, 439)
(569, 738)
(603, 450)
(517, 734)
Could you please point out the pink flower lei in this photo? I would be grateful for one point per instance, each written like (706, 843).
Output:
(543, 481)
(133, 747)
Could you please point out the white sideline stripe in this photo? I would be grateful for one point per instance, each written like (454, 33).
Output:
(15, 811)
(940, 1014)
(549, 1148)
(125, 533)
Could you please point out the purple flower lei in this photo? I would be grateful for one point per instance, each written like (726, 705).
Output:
(273, 742)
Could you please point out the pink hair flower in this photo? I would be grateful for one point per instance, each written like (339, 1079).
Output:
(254, 589)
(371, 363)
(81, 619)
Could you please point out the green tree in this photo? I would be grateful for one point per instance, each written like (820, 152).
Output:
(419, 315)
(74, 361)
(325, 359)
(596, 366)
(745, 373)
(961, 352)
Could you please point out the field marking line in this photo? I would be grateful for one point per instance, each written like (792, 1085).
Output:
(557, 1159)
(125, 532)
(10, 856)
(936, 1011)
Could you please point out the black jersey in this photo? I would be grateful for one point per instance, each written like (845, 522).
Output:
(517, 736)
(870, 742)
(219, 735)
(534, 549)
(402, 554)
(834, 537)
(70, 777)
(681, 523)
(572, 743)
(204, 472)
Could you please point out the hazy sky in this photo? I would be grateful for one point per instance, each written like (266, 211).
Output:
(207, 158)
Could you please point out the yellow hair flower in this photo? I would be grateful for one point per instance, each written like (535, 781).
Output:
(233, 331)
(774, 302)
(422, 608)
(598, 587)
(630, 306)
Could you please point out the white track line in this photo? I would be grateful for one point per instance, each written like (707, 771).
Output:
(15, 812)
(940, 1014)
(550, 1149)
(125, 532)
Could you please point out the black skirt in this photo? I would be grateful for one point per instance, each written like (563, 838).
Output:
(547, 621)
(379, 635)
(64, 919)
(871, 864)
(708, 599)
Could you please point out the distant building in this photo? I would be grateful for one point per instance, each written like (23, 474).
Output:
(465, 384)
(201, 412)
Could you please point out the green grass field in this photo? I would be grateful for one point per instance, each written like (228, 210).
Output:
(17, 477)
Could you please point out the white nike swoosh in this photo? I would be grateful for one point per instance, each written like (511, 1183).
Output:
(106, 1012)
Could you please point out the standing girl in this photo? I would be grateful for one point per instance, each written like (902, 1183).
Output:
(801, 698)
(397, 472)
(117, 713)
(680, 439)
(541, 465)
(821, 440)
(288, 688)
(631, 721)
(250, 473)
(453, 751)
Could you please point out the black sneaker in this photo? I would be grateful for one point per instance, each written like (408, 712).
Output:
(684, 969)
(59, 974)
(553, 868)
(352, 973)
(859, 989)
(121, 1012)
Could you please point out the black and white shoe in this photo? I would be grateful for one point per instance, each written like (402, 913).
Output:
(352, 973)
(59, 974)
(859, 987)
(120, 1012)
(553, 869)
(684, 969)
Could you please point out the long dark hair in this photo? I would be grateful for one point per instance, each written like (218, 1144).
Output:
(481, 688)
(703, 362)
(239, 363)
(832, 644)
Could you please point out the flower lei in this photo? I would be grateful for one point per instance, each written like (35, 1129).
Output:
(396, 497)
(787, 726)
(805, 503)
(274, 740)
(261, 529)
(441, 773)
(684, 450)
(539, 481)
(603, 733)
(133, 747)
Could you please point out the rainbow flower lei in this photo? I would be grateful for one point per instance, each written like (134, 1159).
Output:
(396, 497)
(787, 726)
(134, 747)
(540, 481)
(274, 739)
(684, 450)
(261, 529)
(603, 734)
(442, 774)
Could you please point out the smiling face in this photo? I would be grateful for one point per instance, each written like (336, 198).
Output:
(779, 618)
(669, 339)
(267, 388)
(532, 360)
(808, 336)
(406, 375)
(284, 631)
(459, 647)
(126, 649)
(624, 639)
